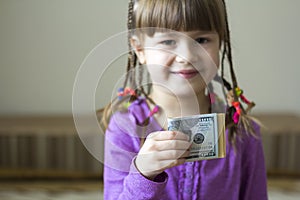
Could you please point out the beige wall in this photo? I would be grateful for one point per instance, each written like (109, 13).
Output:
(266, 45)
(43, 43)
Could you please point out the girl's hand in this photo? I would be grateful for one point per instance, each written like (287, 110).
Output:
(162, 150)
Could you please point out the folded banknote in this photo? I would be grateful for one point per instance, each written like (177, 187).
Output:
(206, 133)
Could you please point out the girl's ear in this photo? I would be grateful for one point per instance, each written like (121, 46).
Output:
(138, 49)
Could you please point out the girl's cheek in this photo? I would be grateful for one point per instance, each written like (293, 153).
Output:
(217, 60)
(159, 57)
(215, 56)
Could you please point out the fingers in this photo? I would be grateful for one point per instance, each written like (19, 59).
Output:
(152, 164)
(151, 169)
(162, 150)
(171, 163)
(168, 135)
(166, 140)
(172, 155)
(169, 145)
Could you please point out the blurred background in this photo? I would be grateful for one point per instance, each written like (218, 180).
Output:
(42, 46)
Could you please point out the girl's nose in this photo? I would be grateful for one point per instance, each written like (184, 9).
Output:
(186, 57)
(181, 60)
(186, 54)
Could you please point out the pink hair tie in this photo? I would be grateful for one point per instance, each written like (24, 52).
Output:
(237, 113)
(237, 107)
(212, 97)
(153, 111)
(236, 117)
(124, 92)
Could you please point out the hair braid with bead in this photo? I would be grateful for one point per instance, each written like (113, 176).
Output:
(234, 129)
(134, 74)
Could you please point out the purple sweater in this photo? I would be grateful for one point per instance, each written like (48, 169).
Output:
(240, 175)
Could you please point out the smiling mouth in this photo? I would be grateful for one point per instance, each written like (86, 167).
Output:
(187, 74)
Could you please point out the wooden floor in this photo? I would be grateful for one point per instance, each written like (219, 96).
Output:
(278, 189)
(283, 184)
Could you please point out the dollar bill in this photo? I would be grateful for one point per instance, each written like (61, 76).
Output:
(206, 133)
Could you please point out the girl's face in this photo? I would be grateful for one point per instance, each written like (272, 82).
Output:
(181, 63)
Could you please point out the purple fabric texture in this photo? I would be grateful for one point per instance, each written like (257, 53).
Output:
(240, 175)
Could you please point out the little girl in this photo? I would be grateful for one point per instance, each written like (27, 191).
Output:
(145, 161)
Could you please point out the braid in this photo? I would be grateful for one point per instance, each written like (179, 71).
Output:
(222, 61)
(132, 59)
(132, 72)
(244, 120)
(232, 127)
(129, 27)
(130, 15)
(131, 75)
(140, 79)
(127, 69)
(222, 71)
(227, 50)
(226, 84)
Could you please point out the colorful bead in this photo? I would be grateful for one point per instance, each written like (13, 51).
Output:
(238, 91)
(120, 93)
(124, 92)
(127, 104)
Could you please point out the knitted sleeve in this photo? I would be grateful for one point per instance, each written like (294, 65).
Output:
(121, 179)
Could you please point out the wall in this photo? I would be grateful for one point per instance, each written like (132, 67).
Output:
(43, 44)
(266, 46)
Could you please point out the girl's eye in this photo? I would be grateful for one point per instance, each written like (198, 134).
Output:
(168, 42)
(202, 40)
